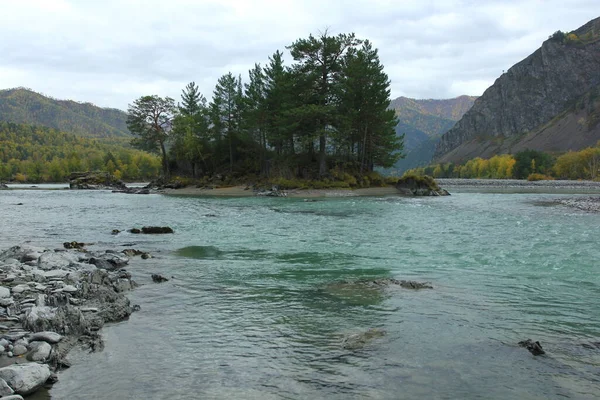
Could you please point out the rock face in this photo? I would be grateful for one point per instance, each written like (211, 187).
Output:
(419, 186)
(528, 96)
(95, 180)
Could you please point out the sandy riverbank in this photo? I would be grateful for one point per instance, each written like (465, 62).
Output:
(241, 191)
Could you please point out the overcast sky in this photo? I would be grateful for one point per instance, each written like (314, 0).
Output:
(109, 52)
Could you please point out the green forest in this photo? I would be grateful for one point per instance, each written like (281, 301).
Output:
(39, 154)
(325, 117)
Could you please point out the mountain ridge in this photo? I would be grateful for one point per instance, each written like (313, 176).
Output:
(529, 96)
(25, 106)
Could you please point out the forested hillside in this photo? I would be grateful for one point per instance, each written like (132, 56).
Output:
(40, 154)
(23, 106)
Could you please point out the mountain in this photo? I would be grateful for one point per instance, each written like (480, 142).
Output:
(24, 106)
(550, 101)
(423, 122)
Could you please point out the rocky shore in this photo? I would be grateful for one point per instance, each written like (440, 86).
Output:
(588, 204)
(51, 301)
(590, 186)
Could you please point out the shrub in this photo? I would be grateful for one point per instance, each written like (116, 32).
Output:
(539, 177)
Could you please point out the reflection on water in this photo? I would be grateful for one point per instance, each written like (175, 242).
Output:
(265, 297)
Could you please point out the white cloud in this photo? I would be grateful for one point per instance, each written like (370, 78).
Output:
(111, 52)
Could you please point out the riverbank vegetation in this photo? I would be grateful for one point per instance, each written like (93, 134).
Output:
(528, 164)
(38, 154)
(323, 118)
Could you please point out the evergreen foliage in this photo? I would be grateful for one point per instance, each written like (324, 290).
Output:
(327, 111)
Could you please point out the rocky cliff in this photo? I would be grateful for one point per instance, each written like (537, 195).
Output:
(525, 100)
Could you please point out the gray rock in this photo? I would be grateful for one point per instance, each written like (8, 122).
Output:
(358, 340)
(25, 378)
(46, 336)
(21, 289)
(4, 292)
(109, 261)
(56, 260)
(40, 351)
(6, 301)
(19, 350)
(69, 289)
(5, 390)
(3, 342)
(13, 397)
(57, 273)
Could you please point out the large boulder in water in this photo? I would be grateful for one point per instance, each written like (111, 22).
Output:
(414, 185)
(3, 186)
(95, 180)
(25, 378)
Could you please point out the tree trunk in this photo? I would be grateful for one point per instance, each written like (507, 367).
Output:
(165, 162)
(322, 156)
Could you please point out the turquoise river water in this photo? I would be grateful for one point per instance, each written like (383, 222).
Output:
(253, 310)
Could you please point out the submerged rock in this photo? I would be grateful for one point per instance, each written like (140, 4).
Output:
(157, 278)
(356, 341)
(534, 348)
(156, 229)
(25, 378)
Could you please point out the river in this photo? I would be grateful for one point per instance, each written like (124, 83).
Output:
(251, 310)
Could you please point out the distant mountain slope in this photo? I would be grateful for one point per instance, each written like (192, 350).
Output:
(545, 102)
(24, 106)
(423, 122)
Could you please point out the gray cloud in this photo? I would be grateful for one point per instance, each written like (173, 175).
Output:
(112, 52)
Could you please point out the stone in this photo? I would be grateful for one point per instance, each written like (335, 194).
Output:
(7, 301)
(115, 231)
(46, 336)
(69, 289)
(358, 340)
(415, 285)
(73, 245)
(95, 180)
(109, 261)
(56, 260)
(19, 350)
(13, 397)
(4, 292)
(534, 348)
(25, 378)
(413, 185)
(5, 390)
(13, 336)
(21, 289)
(156, 229)
(157, 278)
(57, 273)
(122, 285)
(40, 351)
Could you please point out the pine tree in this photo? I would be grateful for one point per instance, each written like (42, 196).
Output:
(150, 118)
(319, 65)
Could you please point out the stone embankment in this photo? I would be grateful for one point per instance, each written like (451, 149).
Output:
(50, 301)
